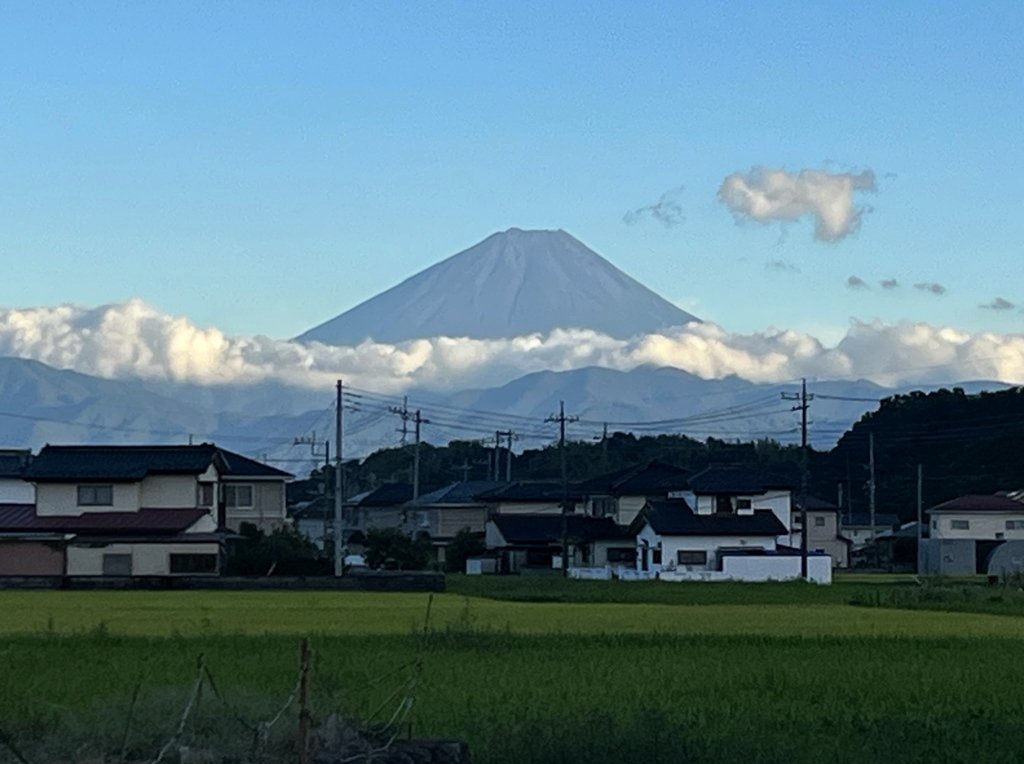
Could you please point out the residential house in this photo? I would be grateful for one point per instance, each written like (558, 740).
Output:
(676, 543)
(622, 494)
(823, 534)
(137, 510)
(966, 532)
(444, 512)
(14, 489)
(727, 490)
(535, 542)
(856, 526)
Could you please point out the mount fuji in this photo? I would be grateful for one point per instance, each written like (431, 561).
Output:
(511, 284)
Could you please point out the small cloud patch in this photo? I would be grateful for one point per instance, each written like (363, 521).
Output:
(999, 304)
(888, 284)
(856, 282)
(931, 287)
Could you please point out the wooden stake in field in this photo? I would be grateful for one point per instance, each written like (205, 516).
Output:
(305, 719)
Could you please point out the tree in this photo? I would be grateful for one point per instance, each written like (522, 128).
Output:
(391, 549)
(465, 544)
(282, 552)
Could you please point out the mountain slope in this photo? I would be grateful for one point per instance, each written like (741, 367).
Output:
(512, 283)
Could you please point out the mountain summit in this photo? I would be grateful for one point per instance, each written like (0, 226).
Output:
(510, 284)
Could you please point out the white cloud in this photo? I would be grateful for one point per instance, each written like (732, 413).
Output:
(769, 195)
(133, 339)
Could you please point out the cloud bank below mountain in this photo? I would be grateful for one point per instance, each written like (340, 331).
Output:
(135, 340)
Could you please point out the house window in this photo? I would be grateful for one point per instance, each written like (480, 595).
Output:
(204, 497)
(605, 506)
(117, 564)
(193, 563)
(692, 557)
(238, 496)
(95, 495)
(960, 525)
(621, 555)
(743, 504)
(656, 555)
(935, 525)
(1014, 525)
(819, 522)
(723, 505)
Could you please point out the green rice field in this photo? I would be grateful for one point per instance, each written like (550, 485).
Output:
(756, 675)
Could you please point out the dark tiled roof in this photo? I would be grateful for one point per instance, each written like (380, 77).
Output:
(387, 495)
(980, 503)
(462, 492)
(13, 462)
(653, 478)
(526, 530)
(675, 518)
(236, 465)
(527, 492)
(23, 517)
(740, 480)
(863, 519)
(814, 504)
(133, 463)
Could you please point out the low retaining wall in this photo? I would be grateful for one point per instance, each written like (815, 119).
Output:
(383, 581)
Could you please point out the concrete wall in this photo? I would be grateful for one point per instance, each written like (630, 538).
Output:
(30, 558)
(16, 491)
(758, 568)
(62, 499)
(671, 545)
(822, 538)
(147, 559)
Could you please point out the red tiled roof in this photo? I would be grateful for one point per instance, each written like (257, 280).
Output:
(23, 517)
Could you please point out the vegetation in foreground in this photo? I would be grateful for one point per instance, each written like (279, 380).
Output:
(540, 698)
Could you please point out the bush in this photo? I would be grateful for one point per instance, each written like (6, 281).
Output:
(465, 544)
(390, 549)
(282, 552)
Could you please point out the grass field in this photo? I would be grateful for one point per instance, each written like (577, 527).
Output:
(769, 674)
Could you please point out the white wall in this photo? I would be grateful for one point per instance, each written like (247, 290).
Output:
(16, 491)
(147, 559)
(983, 525)
(758, 568)
(671, 545)
(629, 508)
(528, 508)
(779, 502)
(62, 499)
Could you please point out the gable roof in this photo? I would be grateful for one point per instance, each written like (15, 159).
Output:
(461, 493)
(527, 530)
(526, 491)
(980, 503)
(740, 480)
(13, 462)
(387, 495)
(655, 477)
(133, 463)
(23, 518)
(673, 517)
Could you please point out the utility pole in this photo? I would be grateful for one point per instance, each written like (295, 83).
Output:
(418, 420)
(920, 514)
(313, 442)
(508, 456)
(339, 477)
(871, 493)
(804, 404)
(562, 419)
(498, 435)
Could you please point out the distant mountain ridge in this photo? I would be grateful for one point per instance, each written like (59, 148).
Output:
(511, 284)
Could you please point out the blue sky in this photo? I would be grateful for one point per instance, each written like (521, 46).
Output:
(263, 167)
